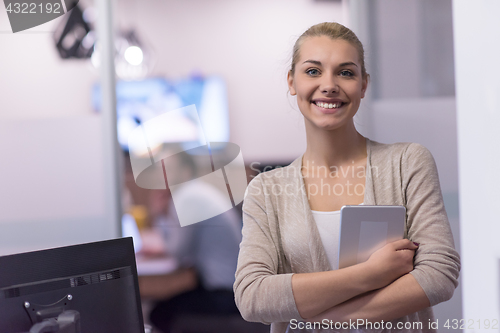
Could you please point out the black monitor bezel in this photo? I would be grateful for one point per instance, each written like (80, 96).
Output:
(37, 267)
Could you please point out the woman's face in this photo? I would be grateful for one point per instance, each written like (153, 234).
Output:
(327, 82)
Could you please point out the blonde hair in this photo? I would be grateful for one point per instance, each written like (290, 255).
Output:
(333, 30)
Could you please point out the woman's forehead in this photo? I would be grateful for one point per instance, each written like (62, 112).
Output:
(325, 49)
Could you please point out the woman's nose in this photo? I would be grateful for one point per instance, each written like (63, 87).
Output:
(329, 84)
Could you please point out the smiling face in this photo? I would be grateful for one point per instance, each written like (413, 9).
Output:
(328, 82)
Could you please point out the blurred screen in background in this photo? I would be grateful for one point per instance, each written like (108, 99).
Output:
(139, 101)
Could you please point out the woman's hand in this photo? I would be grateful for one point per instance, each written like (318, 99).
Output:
(391, 262)
(317, 292)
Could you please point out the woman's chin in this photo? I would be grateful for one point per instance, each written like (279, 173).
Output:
(326, 125)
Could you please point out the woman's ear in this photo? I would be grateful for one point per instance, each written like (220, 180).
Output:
(291, 87)
(364, 85)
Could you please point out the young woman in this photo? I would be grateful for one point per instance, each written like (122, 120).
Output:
(287, 268)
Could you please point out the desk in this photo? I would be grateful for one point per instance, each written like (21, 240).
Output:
(161, 278)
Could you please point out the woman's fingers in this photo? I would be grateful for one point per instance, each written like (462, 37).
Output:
(392, 261)
(404, 244)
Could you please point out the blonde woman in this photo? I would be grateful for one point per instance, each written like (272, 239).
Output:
(287, 272)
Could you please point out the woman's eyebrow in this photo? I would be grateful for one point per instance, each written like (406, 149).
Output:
(315, 62)
(318, 63)
(350, 63)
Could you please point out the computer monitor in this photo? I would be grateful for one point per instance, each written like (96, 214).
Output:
(93, 285)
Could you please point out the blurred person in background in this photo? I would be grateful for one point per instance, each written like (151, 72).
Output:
(210, 247)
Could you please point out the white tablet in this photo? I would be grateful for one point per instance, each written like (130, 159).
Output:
(365, 229)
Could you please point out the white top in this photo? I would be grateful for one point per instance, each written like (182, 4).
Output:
(328, 224)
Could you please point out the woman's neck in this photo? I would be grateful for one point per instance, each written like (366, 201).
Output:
(334, 147)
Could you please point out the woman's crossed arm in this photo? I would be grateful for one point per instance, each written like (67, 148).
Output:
(315, 293)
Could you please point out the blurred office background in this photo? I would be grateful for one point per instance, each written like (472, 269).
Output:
(60, 172)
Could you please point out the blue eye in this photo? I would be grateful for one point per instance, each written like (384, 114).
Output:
(346, 73)
(312, 71)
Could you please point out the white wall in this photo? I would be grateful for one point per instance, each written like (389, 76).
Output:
(34, 82)
(476, 28)
(55, 181)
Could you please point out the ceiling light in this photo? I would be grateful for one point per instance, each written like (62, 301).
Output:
(134, 56)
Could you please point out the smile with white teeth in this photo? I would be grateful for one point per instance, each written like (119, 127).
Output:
(329, 105)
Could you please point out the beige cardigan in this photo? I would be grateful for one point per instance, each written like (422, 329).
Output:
(280, 237)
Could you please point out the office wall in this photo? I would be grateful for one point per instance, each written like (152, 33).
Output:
(35, 83)
(55, 184)
(422, 32)
(476, 26)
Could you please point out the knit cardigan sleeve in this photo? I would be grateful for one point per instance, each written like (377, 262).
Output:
(262, 294)
(437, 263)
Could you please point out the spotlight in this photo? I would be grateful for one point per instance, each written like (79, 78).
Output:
(134, 56)
(74, 37)
(133, 60)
